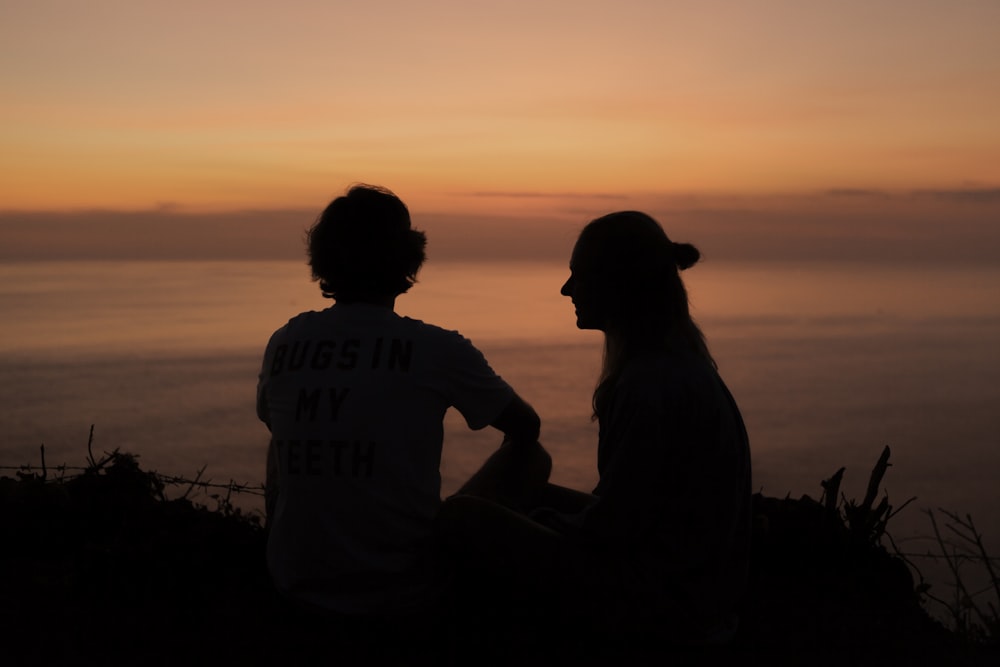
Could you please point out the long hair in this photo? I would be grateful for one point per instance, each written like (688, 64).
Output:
(650, 311)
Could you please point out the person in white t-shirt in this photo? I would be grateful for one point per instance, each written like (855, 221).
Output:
(355, 397)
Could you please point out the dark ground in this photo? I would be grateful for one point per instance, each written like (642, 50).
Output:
(102, 569)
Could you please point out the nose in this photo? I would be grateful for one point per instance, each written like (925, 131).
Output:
(567, 288)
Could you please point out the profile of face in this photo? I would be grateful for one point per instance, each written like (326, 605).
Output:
(588, 289)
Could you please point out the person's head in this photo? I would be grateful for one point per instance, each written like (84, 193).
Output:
(362, 247)
(625, 281)
(624, 275)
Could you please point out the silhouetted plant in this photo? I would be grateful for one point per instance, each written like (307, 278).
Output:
(972, 615)
(975, 613)
(125, 467)
(865, 520)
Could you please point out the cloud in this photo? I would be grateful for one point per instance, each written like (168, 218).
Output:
(160, 233)
(969, 195)
(844, 224)
(860, 193)
(544, 195)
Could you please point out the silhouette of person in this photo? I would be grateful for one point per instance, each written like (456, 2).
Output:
(661, 546)
(354, 397)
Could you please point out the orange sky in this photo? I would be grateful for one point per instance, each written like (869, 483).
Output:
(252, 104)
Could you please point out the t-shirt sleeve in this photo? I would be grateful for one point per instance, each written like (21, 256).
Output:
(263, 412)
(473, 388)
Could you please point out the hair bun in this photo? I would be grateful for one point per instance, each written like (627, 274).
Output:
(685, 255)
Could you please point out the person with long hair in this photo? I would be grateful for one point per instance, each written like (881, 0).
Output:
(660, 548)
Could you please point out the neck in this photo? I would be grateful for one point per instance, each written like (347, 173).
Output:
(381, 301)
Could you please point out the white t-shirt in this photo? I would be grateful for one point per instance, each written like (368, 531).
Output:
(355, 397)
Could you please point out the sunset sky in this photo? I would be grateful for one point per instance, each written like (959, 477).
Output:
(493, 108)
(798, 134)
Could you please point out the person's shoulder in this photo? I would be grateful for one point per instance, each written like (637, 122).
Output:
(304, 325)
(450, 348)
(304, 320)
(674, 374)
(431, 331)
(667, 363)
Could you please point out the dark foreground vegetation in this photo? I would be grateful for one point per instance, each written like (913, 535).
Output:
(102, 566)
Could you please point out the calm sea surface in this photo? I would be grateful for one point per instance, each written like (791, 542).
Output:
(829, 363)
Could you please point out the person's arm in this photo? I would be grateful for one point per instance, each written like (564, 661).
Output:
(516, 474)
(518, 422)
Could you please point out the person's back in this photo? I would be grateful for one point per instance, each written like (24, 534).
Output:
(672, 519)
(672, 514)
(658, 554)
(355, 398)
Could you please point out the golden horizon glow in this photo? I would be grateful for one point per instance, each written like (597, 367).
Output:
(225, 105)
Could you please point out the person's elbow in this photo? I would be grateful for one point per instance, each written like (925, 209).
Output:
(519, 422)
(528, 430)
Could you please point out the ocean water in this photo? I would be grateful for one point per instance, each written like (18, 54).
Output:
(829, 363)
